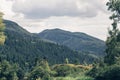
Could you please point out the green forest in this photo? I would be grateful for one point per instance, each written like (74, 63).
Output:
(25, 56)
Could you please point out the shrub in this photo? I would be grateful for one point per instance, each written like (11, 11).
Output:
(112, 73)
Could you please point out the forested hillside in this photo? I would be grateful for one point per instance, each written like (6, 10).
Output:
(75, 40)
(23, 48)
(26, 56)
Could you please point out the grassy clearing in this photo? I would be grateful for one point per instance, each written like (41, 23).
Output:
(74, 78)
(78, 74)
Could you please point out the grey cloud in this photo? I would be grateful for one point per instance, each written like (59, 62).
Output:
(9, 0)
(47, 8)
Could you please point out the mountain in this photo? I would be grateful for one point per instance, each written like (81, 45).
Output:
(75, 40)
(24, 48)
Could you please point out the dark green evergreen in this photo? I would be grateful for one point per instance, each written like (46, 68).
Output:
(110, 70)
(113, 40)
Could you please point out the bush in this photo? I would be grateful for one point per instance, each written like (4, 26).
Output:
(63, 70)
(113, 73)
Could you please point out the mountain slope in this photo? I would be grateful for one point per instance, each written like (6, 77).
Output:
(23, 48)
(75, 40)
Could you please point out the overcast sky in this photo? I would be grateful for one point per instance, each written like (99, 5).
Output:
(88, 16)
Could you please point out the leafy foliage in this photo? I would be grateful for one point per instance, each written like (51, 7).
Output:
(10, 72)
(68, 69)
(111, 73)
(2, 27)
(41, 71)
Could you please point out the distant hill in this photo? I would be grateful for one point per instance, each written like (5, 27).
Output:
(24, 48)
(75, 40)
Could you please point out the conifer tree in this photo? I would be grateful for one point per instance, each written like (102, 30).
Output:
(113, 42)
(66, 61)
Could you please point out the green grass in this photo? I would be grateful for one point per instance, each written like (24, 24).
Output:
(74, 78)
(79, 76)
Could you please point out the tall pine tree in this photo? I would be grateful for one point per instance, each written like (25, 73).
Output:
(113, 42)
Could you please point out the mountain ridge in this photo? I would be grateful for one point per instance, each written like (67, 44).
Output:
(75, 40)
(23, 48)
